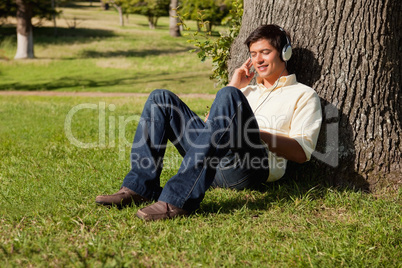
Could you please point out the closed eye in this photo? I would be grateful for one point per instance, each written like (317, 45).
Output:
(264, 52)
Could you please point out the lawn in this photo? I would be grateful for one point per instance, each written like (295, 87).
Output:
(51, 169)
(49, 217)
(100, 55)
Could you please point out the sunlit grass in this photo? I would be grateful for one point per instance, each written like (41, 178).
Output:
(100, 55)
(49, 217)
(48, 183)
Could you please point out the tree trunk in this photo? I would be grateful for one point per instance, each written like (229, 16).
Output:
(54, 17)
(174, 28)
(25, 45)
(350, 53)
(152, 22)
(104, 6)
(209, 27)
(121, 17)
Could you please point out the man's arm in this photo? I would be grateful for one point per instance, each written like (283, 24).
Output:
(283, 146)
(241, 77)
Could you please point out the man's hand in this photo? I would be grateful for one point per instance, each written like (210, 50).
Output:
(242, 76)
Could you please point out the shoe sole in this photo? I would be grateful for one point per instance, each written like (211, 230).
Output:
(146, 217)
(121, 205)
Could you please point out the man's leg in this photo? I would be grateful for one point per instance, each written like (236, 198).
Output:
(164, 117)
(240, 170)
(231, 124)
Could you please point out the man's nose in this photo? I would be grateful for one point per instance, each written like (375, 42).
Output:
(259, 58)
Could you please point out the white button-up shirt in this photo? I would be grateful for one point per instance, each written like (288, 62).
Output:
(288, 108)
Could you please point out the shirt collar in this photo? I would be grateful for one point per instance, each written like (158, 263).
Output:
(283, 81)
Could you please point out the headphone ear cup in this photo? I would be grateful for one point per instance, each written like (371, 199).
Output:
(286, 52)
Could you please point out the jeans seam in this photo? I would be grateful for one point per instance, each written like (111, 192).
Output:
(224, 181)
(196, 181)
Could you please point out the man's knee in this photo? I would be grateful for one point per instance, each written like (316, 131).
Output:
(161, 95)
(229, 93)
(158, 92)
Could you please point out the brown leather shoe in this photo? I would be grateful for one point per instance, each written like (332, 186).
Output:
(123, 197)
(161, 211)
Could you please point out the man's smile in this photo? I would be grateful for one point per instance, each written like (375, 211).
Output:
(262, 67)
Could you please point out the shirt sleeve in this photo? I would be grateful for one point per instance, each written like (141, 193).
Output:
(306, 122)
(246, 90)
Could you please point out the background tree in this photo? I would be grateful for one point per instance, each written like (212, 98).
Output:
(350, 53)
(213, 11)
(24, 10)
(153, 9)
(25, 47)
(120, 6)
(217, 49)
(174, 28)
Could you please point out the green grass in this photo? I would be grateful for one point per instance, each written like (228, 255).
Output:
(100, 55)
(48, 185)
(49, 217)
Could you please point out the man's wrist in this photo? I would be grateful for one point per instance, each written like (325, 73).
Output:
(233, 85)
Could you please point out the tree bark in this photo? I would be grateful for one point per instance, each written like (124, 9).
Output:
(120, 10)
(152, 22)
(54, 17)
(121, 17)
(25, 47)
(174, 28)
(350, 53)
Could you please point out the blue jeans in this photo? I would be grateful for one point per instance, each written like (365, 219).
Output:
(222, 152)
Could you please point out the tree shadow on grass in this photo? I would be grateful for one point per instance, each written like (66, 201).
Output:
(71, 82)
(81, 4)
(137, 53)
(213, 33)
(286, 190)
(64, 82)
(45, 35)
(158, 27)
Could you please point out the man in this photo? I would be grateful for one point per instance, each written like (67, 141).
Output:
(246, 140)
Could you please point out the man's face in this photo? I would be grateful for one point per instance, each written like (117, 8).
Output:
(266, 60)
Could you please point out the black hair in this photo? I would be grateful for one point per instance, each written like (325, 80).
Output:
(271, 32)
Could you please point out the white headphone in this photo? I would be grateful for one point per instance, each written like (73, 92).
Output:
(287, 49)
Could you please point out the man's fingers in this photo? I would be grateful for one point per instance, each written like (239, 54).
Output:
(246, 66)
(250, 75)
(247, 63)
